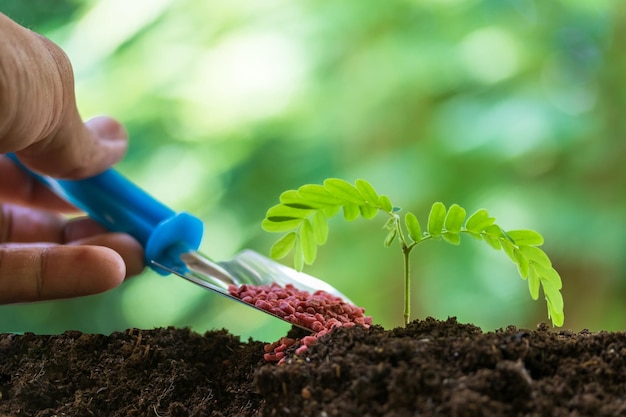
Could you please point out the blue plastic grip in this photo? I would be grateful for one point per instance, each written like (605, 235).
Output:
(121, 206)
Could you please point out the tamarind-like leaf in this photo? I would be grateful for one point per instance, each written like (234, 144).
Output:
(526, 237)
(320, 227)
(478, 221)
(281, 211)
(293, 198)
(436, 219)
(533, 283)
(390, 237)
(280, 225)
(453, 238)
(307, 239)
(367, 192)
(509, 249)
(298, 256)
(493, 235)
(413, 227)
(385, 203)
(330, 211)
(391, 223)
(554, 300)
(283, 246)
(536, 255)
(367, 211)
(522, 264)
(549, 275)
(351, 212)
(317, 194)
(455, 218)
(343, 190)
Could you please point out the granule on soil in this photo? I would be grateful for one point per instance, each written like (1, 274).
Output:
(321, 312)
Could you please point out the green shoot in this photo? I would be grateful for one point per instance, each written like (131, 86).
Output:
(303, 214)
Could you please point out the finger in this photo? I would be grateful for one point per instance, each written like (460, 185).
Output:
(17, 187)
(129, 249)
(81, 228)
(21, 225)
(77, 150)
(35, 273)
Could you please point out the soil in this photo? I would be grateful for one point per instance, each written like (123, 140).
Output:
(429, 368)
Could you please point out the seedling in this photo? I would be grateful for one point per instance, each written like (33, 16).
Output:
(303, 215)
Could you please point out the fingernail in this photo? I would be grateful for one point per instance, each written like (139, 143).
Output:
(107, 128)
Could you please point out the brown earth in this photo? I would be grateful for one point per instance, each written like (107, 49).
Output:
(430, 368)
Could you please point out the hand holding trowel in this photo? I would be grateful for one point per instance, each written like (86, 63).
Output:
(171, 240)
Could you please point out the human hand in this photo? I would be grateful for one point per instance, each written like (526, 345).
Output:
(43, 254)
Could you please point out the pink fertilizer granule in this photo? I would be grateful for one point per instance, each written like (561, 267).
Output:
(320, 312)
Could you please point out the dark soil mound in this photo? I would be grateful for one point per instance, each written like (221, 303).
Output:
(430, 368)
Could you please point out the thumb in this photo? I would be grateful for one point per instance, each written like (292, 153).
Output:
(47, 133)
(77, 150)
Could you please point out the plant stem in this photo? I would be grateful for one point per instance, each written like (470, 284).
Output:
(407, 284)
(406, 250)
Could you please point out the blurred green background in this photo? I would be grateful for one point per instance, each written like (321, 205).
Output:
(516, 106)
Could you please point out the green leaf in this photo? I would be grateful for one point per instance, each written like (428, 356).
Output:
(368, 192)
(331, 211)
(292, 198)
(475, 235)
(495, 231)
(317, 194)
(391, 223)
(555, 303)
(390, 237)
(283, 246)
(343, 190)
(492, 241)
(453, 238)
(533, 283)
(536, 255)
(455, 218)
(478, 221)
(436, 219)
(385, 204)
(280, 226)
(413, 227)
(298, 256)
(493, 236)
(309, 245)
(509, 249)
(549, 275)
(320, 227)
(526, 237)
(281, 211)
(368, 212)
(557, 316)
(522, 264)
(351, 212)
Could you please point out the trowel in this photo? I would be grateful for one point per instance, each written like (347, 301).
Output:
(170, 239)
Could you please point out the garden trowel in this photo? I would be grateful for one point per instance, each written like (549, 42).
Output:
(171, 240)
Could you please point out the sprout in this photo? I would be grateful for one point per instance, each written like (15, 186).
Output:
(303, 214)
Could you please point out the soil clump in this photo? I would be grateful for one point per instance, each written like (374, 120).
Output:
(429, 368)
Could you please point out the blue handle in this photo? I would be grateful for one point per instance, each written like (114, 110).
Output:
(121, 206)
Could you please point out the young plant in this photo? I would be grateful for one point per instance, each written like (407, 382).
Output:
(303, 216)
